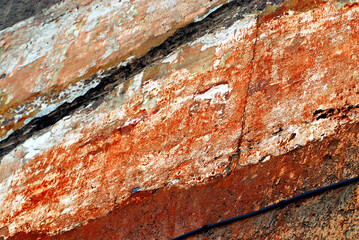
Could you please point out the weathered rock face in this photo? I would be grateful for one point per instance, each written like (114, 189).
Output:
(45, 58)
(332, 215)
(133, 120)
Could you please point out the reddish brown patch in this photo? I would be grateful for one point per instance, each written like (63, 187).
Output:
(4, 232)
(103, 167)
(171, 211)
(296, 71)
(290, 5)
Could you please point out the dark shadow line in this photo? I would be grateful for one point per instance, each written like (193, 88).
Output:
(224, 17)
(280, 204)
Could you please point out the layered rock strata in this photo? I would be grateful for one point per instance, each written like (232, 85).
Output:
(133, 120)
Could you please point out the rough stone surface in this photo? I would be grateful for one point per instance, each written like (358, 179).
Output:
(167, 122)
(333, 215)
(304, 81)
(73, 41)
(237, 106)
(12, 12)
(170, 211)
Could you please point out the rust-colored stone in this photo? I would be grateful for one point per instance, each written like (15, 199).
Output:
(296, 73)
(167, 126)
(170, 211)
(332, 215)
(4, 232)
(50, 53)
(261, 107)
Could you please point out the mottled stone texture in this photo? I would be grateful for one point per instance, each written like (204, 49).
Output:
(137, 120)
(333, 215)
(62, 53)
(171, 211)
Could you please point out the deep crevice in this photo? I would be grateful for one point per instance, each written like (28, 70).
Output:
(334, 113)
(248, 88)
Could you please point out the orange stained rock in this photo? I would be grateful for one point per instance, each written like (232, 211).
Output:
(268, 89)
(170, 211)
(42, 56)
(304, 64)
(181, 128)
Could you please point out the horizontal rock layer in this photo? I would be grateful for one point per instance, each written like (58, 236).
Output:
(332, 215)
(250, 104)
(60, 54)
(172, 211)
